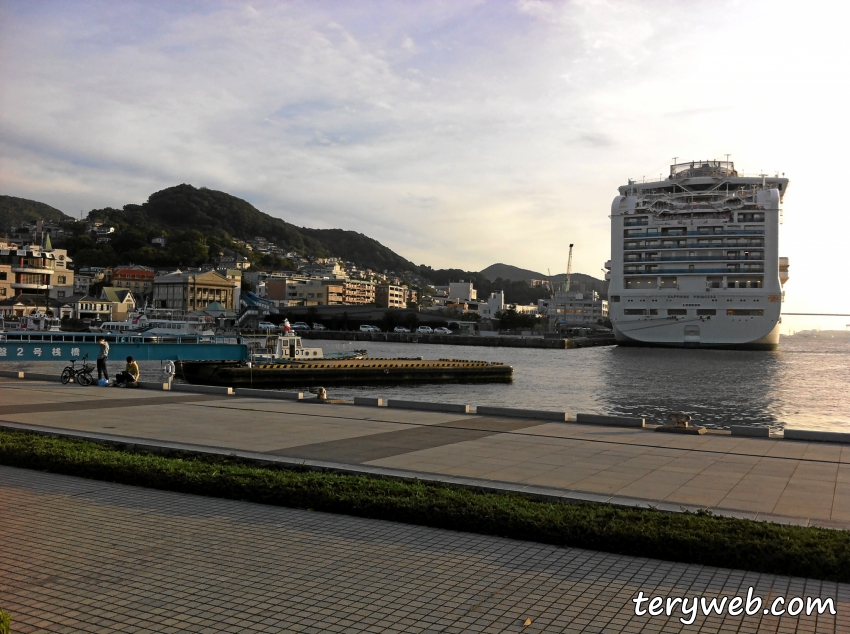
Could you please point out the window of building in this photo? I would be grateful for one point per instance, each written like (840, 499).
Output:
(635, 311)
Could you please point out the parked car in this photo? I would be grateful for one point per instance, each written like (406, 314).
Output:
(300, 325)
(319, 327)
(424, 330)
(368, 328)
(401, 329)
(266, 325)
(442, 331)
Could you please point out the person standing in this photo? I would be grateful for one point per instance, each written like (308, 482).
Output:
(102, 357)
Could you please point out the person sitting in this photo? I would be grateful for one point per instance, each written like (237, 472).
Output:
(130, 374)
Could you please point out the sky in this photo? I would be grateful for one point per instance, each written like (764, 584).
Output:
(459, 134)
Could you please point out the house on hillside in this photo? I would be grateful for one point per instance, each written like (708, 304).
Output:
(122, 300)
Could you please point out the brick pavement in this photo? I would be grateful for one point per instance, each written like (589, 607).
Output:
(85, 556)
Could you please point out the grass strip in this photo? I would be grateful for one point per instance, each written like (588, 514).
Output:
(694, 538)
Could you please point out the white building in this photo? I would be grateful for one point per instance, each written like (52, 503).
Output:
(495, 303)
(462, 291)
(573, 307)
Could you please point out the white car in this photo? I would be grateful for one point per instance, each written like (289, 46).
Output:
(369, 329)
(300, 325)
(266, 325)
(401, 329)
(424, 330)
(319, 327)
(442, 331)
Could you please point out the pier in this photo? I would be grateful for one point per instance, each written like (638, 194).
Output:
(804, 481)
(500, 341)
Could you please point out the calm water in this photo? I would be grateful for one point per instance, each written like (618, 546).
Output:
(804, 384)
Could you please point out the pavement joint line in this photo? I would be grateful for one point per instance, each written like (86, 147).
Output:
(544, 422)
(492, 486)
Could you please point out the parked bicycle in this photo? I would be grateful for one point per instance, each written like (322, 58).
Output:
(81, 376)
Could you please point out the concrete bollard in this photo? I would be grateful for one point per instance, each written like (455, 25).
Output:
(511, 412)
(202, 389)
(288, 396)
(752, 432)
(368, 401)
(429, 407)
(615, 421)
(817, 436)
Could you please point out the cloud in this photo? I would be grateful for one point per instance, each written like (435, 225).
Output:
(509, 124)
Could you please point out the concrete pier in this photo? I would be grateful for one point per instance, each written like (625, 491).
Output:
(793, 481)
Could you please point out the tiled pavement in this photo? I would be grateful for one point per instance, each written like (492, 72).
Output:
(84, 556)
(800, 482)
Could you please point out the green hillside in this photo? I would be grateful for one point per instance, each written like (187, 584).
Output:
(219, 215)
(14, 211)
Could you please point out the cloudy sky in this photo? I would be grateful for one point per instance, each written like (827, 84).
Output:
(457, 133)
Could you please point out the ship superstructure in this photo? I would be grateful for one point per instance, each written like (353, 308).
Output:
(694, 259)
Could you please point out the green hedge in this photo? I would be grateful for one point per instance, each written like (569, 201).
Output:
(5, 623)
(698, 538)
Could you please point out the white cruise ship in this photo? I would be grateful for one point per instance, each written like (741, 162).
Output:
(694, 259)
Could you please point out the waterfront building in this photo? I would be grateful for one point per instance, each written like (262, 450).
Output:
(194, 290)
(694, 259)
(573, 307)
(138, 279)
(391, 296)
(304, 292)
(494, 304)
(358, 292)
(122, 300)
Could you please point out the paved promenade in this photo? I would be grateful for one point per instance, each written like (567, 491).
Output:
(86, 556)
(780, 480)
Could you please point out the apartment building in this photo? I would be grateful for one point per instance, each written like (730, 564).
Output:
(358, 292)
(391, 296)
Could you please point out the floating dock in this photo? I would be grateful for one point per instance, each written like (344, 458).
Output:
(327, 372)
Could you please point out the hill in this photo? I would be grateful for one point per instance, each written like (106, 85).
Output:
(219, 215)
(14, 211)
(514, 273)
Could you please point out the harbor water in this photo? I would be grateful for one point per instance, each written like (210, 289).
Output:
(804, 384)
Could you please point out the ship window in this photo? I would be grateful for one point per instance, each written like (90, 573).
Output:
(642, 282)
(653, 311)
(615, 298)
(714, 281)
(669, 282)
(706, 311)
(677, 311)
(634, 311)
(745, 312)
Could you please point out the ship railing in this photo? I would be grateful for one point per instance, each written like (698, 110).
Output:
(697, 234)
(46, 337)
(694, 272)
(711, 258)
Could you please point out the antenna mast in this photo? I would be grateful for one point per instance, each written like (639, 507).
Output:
(569, 268)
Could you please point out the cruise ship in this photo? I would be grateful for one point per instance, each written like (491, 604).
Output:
(694, 259)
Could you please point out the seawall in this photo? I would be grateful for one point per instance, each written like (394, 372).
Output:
(504, 341)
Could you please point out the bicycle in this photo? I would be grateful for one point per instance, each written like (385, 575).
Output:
(81, 376)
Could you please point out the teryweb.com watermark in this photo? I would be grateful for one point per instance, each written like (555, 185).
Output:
(691, 607)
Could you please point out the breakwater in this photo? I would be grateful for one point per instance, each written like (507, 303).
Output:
(502, 341)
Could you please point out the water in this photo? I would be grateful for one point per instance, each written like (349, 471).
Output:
(804, 384)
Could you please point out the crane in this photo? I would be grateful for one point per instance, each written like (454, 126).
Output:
(549, 284)
(569, 269)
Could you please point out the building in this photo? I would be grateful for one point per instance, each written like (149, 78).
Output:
(193, 290)
(27, 270)
(358, 292)
(462, 291)
(494, 304)
(234, 261)
(62, 279)
(94, 308)
(573, 307)
(301, 292)
(138, 279)
(122, 300)
(391, 296)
